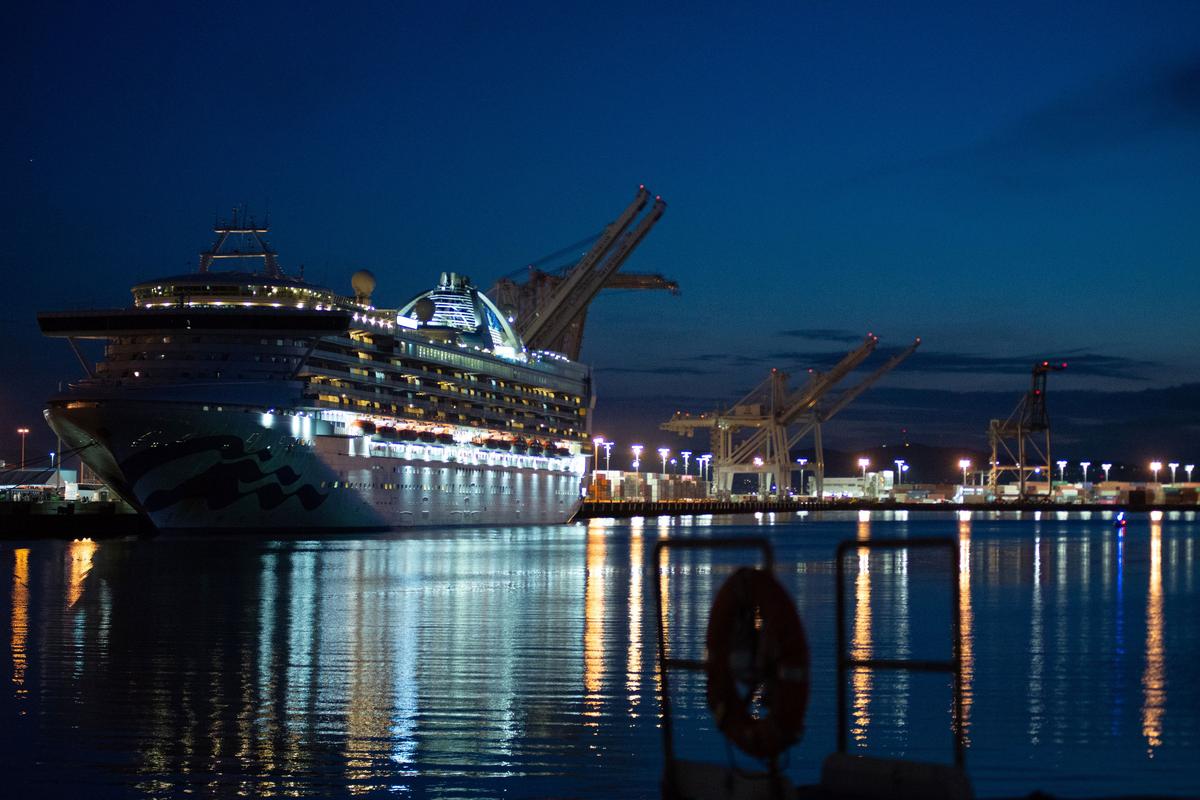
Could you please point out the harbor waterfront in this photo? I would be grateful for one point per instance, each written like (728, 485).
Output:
(473, 662)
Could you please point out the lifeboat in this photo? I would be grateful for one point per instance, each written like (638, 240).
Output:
(406, 435)
(386, 432)
(520, 447)
(536, 449)
(498, 444)
(445, 438)
(427, 436)
(363, 427)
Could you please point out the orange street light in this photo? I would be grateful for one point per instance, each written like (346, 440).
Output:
(24, 432)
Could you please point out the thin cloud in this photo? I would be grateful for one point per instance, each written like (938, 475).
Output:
(824, 335)
(1111, 112)
(1079, 363)
(664, 370)
(728, 359)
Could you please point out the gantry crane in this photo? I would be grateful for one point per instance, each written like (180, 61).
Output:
(550, 310)
(812, 422)
(523, 299)
(1027, 420)
(768, 413)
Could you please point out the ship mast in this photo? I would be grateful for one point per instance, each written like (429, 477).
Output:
(238, 233)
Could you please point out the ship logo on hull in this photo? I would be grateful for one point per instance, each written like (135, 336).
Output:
(220, 486)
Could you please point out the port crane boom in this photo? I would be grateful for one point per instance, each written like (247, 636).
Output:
(1029, 418)
(806, 398)
(586, 279)
(549, 309)
(768, 413)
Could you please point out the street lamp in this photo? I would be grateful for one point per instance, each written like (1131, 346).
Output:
(686, 455)
(1085, 465)
(596, 444)
(1155, 466)
(637, 456)
(1106, 468)
(608, 446)
(1174, 465)
(24, 432)
(964, 464)
(664, 452)
(1188, 469)
(1062, 468)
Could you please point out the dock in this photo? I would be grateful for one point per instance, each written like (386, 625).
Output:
(622, 509)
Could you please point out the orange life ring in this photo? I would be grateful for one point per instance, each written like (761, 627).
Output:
(757, 664)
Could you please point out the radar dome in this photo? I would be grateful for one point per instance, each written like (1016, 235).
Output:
(424, 309)
(364, 284)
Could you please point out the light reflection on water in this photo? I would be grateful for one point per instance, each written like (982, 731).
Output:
(860, 642)
(523, 660)
(966, 621)
(1154, 694)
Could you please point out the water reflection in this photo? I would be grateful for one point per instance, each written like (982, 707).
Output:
(1154, 694)
(79, 564)
(633, 660)
(20, 620)
(521, 661)
(1037, 646)
(860, 643)
(967, 622)
(593, 626)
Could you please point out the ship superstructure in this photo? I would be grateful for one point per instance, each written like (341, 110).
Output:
(248, 398)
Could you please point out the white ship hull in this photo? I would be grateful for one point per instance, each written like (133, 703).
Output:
(196, 467)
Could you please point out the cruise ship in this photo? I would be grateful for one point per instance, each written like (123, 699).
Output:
(248, 398)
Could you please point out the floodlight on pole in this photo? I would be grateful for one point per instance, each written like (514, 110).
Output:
(608, 446)
(23, 432)
(1188, 469)
(1085, 465)
(597, 443)
(664, 452)
(1174, 465)
(1106, 468)
(899, 468)
(1062, 469)
(1155, 466)
(964, 464)
(802, 462)
(686, 455)
(864, 463)
(637, 456)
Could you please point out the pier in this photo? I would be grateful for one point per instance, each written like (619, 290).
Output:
(646, 508)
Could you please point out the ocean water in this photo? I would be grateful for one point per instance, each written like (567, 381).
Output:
(521, 662)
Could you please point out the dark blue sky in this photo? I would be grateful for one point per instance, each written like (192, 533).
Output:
(1007, 183)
